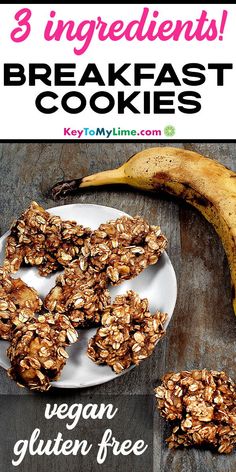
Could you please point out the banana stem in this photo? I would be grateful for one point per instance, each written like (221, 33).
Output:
(107, 177)
(70, 187)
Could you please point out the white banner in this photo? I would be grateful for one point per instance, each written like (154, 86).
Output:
(117, 71)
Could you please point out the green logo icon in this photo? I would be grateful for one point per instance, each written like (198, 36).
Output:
(169, 131)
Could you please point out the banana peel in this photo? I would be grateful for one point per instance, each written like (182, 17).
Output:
(204, 183)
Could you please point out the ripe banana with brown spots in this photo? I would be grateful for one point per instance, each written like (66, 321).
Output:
(204, 183)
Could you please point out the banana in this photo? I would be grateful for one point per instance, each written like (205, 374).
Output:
(204, 183)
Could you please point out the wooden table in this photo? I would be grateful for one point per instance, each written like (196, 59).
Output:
(202, 332)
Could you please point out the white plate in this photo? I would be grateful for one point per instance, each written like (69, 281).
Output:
(157, 283)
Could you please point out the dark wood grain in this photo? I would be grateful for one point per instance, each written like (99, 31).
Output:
(202, 332)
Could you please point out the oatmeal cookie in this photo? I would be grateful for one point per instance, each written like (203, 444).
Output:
(18, 304)
(82, 296)
(37, 351)
(123, 248)
(201, 404)
(128, 334)
(43, 240)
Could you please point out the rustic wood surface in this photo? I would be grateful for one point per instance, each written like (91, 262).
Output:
(202, 332)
